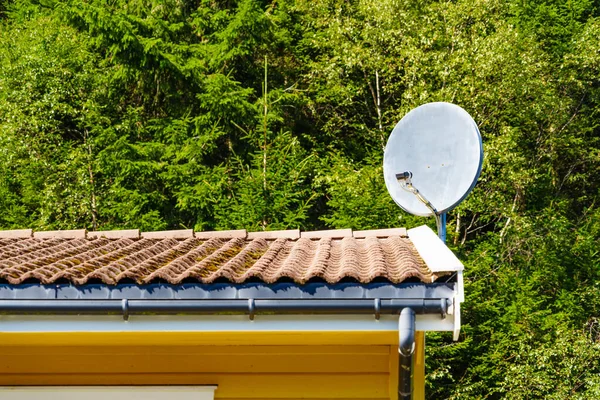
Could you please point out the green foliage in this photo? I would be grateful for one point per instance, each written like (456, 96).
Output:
(358, 199)
(259, 115)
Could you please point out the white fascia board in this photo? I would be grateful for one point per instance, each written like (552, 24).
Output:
(223, 323)
(436, 255)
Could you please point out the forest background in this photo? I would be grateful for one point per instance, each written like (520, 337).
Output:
(273, 115)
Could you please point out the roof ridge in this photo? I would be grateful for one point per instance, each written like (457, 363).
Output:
(291, 234)
(115, 234)
(63, 234)
(16, 234)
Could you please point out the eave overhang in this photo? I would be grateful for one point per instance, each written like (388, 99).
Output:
(284, 307)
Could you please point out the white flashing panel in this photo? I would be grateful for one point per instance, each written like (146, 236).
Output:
(437, 256)
(107, 392)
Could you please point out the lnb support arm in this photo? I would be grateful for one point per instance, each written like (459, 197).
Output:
(405, 180)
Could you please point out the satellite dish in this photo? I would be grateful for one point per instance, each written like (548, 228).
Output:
(434, 156)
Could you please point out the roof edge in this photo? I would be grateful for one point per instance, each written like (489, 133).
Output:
(292, 234)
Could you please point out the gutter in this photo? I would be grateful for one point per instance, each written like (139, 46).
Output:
(251, 307)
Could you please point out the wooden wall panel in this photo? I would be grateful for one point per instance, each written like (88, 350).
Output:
(196, 359)
(249, 386)
(241, 372)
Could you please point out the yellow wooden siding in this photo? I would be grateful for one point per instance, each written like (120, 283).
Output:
(419, 367)
(394, 369)
(357, 372)
(291, 370)
(250, 386)
(182, 338)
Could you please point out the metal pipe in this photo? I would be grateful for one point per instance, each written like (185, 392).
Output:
(250, 307)
(406, 348)
(442, 227)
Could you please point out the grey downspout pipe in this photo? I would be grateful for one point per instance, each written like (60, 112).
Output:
(406, 348)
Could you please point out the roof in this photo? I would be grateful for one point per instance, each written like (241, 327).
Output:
(114, 257)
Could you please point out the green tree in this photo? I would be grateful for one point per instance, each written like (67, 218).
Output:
(273, 115)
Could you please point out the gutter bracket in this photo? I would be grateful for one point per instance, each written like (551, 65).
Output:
(251, 309)
(377, 308)
(125, 309)
(444, 307)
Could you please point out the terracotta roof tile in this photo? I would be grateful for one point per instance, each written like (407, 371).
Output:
(127, 233)
(289, 234)
(235, 256)
(238, 233)
(381, 233)
(17, 233)
(72, 234)
(334, 233)
(179, 234)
